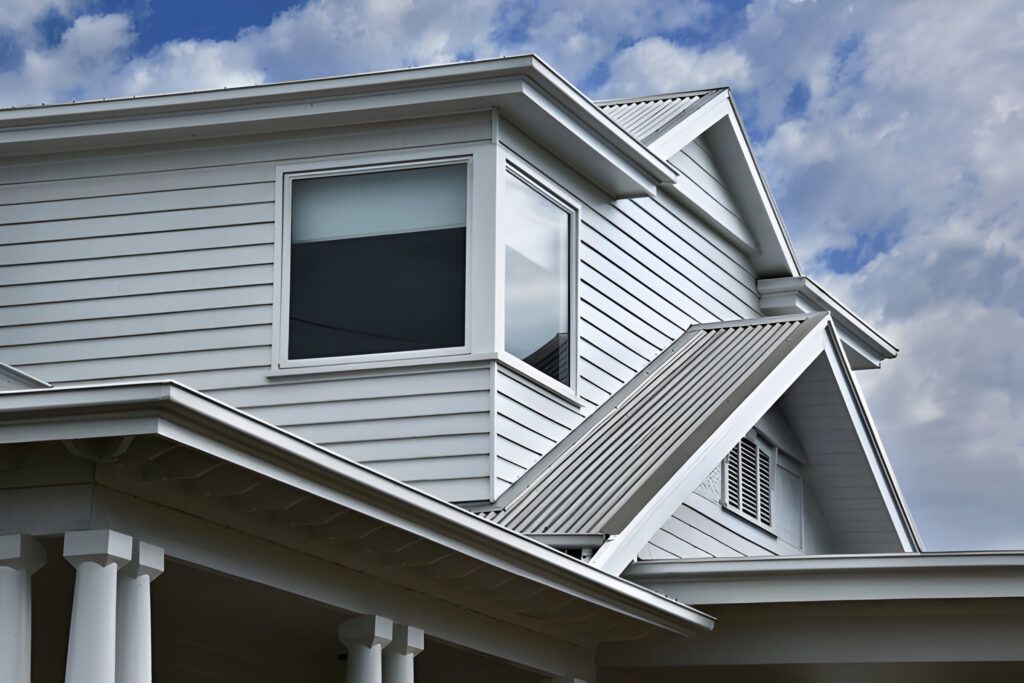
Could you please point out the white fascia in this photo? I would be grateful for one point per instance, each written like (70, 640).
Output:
(865, 347)
(828, 578)
(762, 234)
(522, 87)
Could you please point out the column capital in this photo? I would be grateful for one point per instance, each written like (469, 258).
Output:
(366, 630)
(21, 552)
(102, 546)
(406, 640)
(147, 560)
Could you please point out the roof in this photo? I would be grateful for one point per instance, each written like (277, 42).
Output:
(215, 431)
(645, 118)
(523, 87)
(829, 578)
(599, 476)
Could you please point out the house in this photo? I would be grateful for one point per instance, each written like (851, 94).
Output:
(443, 374)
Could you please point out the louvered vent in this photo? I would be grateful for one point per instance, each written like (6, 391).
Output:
(748, 481)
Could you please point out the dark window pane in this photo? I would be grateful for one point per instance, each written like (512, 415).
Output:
(378, 294)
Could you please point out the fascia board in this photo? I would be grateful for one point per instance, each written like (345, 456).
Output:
(200, 421)
(406, 93)
(830, 578)
(698, 118)
(871, 444)
(793, 294)
(742, 412)
(777, 255)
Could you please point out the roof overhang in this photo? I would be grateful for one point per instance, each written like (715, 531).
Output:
(215, 435)
(523, 89)
(865, 348)
(715, 116)
(835, 578)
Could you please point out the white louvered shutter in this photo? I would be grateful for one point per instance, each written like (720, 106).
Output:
(748, 481)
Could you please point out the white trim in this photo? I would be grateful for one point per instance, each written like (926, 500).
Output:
(546, 187)
(828, 578)
(370, 163)
(621, 549)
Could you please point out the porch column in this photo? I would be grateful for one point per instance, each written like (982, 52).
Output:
(96, 555)
(20, 557)
(406, 643)
(364, 637)
(134, 616)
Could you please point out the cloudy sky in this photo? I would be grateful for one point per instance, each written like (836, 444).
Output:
(891, 132)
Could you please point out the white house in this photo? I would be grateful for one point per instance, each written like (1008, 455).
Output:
(443, 374)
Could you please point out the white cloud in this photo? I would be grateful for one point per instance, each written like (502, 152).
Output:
(656, 65)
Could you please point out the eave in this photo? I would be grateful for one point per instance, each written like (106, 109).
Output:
(835, 578)
(524, 89)
(864, 346)
(181, 415)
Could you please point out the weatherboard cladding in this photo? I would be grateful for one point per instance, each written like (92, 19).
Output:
(642, 118)
(652, 426)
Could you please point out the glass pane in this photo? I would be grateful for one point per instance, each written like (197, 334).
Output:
(387, 202)
(378, 276)
(537, 280)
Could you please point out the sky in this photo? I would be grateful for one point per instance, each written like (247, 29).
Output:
(891, 133)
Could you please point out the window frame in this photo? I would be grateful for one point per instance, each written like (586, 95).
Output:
(561, 198)
(286, 175)
(761, 441)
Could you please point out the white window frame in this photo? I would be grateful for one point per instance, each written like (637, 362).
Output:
(558, 196)
(764, 443)
(476, 223)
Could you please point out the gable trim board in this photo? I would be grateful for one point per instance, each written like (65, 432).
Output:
(607, 478)
(715, 116)
(190, 418)
(12, 378)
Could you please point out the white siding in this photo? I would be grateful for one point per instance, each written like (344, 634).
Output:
(648, 269)
(158, 262)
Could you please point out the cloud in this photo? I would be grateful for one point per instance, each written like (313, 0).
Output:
(657, 65)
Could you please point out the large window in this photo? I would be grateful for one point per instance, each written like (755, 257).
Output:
(377, 262)
(537, 279)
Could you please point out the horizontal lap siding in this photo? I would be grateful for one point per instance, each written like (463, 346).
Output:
(701, 528)
(647, 270)
(158, 263)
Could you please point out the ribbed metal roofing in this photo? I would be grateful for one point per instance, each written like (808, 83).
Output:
(645, 118)
(599, 476)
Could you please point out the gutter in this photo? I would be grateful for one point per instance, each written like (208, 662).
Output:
(284, 456)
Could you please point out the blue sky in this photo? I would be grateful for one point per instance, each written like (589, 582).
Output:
(891, 133)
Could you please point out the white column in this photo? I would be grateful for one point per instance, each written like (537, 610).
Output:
(406, 643)
(134, 614)
(364, 637)
(20, 557)
(96, 555)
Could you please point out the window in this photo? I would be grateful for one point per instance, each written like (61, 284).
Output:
(747, 485)
(377, 261)
(537, 280)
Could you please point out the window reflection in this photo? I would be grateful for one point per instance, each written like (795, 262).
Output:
(537, 272)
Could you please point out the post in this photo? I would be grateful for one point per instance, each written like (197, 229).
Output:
(134, 659)
(406, 643)
(364, 637)
(20, 557)
(96, 555)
